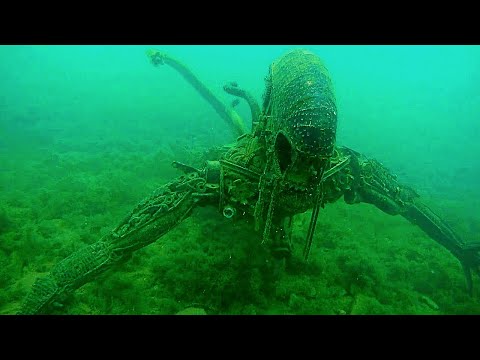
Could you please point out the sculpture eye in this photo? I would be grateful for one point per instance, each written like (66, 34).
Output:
(283, 149)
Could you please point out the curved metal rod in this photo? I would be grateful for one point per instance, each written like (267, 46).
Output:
(233, 89)
(231, 117)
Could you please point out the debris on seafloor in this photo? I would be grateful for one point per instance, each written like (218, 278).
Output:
(429, 302)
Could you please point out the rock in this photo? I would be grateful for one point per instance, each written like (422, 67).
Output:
(192, 311)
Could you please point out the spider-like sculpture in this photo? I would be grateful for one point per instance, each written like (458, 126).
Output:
(287, 164)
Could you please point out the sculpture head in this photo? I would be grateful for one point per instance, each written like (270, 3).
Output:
(298, 126)
(300, 117)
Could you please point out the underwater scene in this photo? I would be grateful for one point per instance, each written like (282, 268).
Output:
(239, 179)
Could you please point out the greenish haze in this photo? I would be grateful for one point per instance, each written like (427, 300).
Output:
(88, 131)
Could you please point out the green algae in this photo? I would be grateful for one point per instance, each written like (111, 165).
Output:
(362, 260)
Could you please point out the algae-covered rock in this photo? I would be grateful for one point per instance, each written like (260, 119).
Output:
(192, 311)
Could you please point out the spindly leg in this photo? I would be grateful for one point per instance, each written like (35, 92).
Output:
(150, 219)
(469, 256)
(231, 117)
(370, 182)
(233, 89)
(281, 237)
